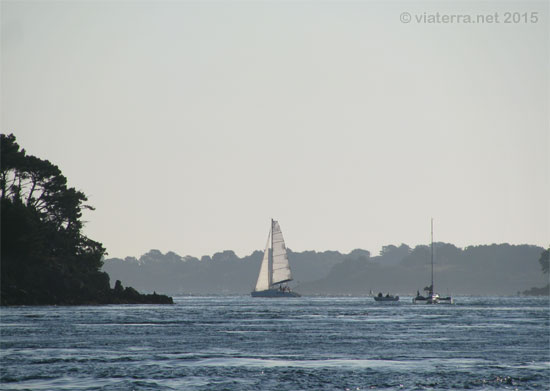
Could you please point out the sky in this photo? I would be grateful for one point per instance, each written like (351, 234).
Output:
(190, 124)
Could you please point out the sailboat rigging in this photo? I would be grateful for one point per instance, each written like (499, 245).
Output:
(432, 297)
(275, 269)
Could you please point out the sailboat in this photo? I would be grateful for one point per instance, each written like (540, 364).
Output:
(275, 269)
(432, 297)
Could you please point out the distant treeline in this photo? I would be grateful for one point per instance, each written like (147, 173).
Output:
(501, 269)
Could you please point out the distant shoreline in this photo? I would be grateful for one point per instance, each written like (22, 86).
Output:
(12, 296)
(501, 270)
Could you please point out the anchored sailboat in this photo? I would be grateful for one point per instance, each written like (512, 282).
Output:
(275, 269)
(432, 298)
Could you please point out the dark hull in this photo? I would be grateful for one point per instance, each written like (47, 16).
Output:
(396, 298)
(274, 293)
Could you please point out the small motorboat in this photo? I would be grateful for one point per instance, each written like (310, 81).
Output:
(388, 297)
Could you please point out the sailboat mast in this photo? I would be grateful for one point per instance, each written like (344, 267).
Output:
(270, 269)
(432, 255)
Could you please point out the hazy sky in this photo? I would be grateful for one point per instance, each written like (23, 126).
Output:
(189, 124)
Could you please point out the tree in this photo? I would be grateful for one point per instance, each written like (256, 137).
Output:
(43, 247)
(41, 187)
(45, 258)
(544, 260)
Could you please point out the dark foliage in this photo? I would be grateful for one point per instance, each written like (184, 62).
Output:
(544, 291)
(544, 260)
(45, 258)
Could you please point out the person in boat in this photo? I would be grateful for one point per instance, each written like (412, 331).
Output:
(379, 294)
(419, 296)
(387, 295)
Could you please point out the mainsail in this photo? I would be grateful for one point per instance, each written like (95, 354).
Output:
(275, 269)
(280, 266)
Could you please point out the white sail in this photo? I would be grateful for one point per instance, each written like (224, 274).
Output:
(280, 266)
(264, 278)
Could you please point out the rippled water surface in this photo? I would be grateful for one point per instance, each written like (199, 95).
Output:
(241, 343)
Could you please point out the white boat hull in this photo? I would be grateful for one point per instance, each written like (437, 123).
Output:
(433, 300)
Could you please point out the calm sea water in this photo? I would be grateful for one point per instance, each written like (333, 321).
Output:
(241, 343)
